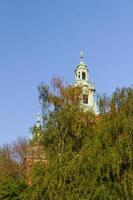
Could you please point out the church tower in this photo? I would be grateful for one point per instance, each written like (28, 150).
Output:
(88, 89)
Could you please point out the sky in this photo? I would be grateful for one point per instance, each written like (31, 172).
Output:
(42, 39)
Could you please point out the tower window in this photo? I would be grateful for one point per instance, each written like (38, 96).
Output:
(83, 75)
(85, 99)
(79, 75)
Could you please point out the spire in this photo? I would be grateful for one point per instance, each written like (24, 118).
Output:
(81, 56)
(38, 121)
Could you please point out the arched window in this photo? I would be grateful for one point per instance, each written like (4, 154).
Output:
(85, 99)
(83, 75)
(78, 74)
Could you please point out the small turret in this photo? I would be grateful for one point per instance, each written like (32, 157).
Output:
(38, 121)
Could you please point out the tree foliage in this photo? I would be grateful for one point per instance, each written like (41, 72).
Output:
(12, 169)
(88, 156)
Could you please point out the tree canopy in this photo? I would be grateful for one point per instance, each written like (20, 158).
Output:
(88, 156)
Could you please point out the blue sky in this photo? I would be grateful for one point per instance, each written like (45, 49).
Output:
(41, 39)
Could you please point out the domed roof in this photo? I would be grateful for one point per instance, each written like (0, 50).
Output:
(81, 65)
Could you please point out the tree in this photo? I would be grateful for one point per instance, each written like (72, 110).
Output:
(12, 159)
(88, 158)
(11, 189)
(12, 170)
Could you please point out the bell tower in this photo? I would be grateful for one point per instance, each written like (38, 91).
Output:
(88, 88)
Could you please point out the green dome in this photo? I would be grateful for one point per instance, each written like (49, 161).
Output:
(81, 65)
